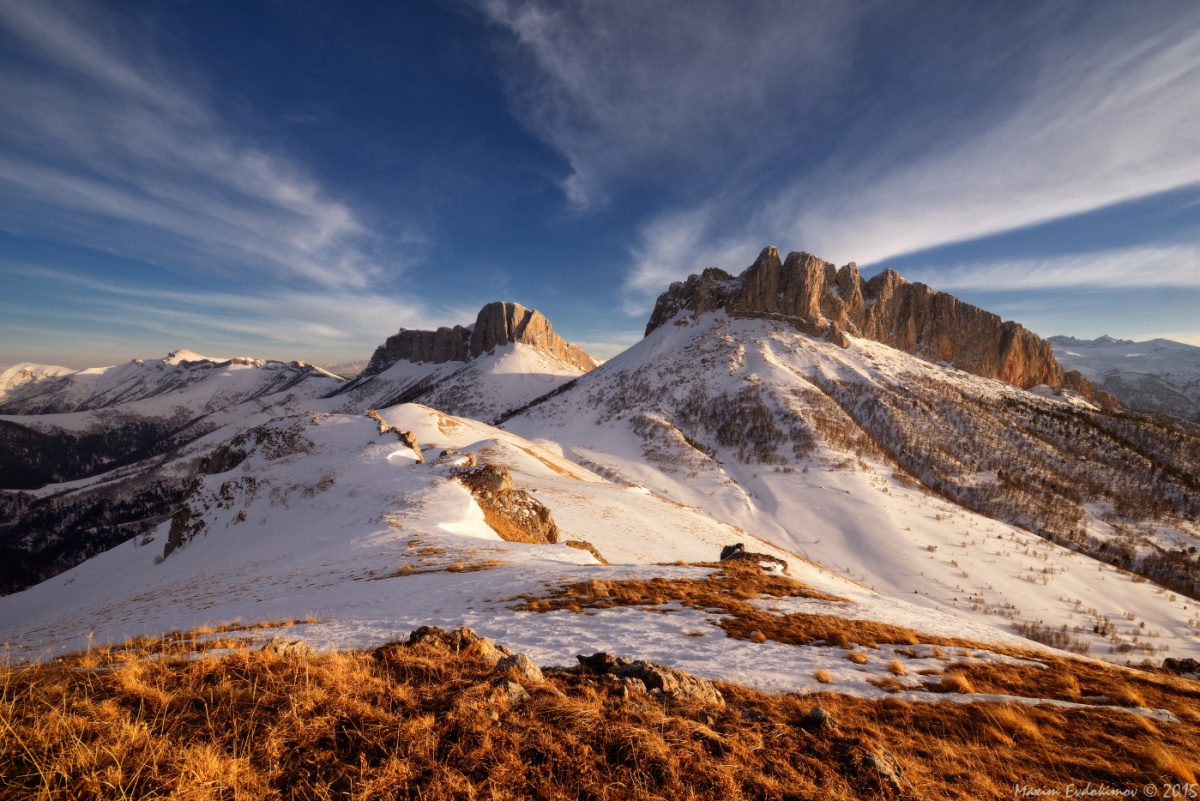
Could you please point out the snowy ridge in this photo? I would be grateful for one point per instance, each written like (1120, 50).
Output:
(199, 382)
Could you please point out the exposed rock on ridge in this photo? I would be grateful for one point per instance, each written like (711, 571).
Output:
(496, 325)
(820, 299)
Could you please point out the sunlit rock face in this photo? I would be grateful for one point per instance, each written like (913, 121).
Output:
(496, 325)
(819, 298)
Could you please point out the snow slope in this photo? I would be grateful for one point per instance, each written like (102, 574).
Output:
(753, 423)
(1158, 375)
(329, 519)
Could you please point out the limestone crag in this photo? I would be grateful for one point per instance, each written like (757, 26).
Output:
(497, 324)
(820, 299)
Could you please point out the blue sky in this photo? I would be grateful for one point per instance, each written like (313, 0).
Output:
(298, 180)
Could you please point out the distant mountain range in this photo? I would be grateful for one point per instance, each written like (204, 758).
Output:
(1158, 375)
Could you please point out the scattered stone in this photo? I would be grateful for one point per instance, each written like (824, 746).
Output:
(290, 648)
(738, 552)
(406, 437)
(817, 718)
(623, 686)
(522, 666)
(485, 478)
(673, 683)
(602, 663)
(1181, 666)
(457, 458)
(651, 677)
(462, 641)
(514, 693)
(884, 767)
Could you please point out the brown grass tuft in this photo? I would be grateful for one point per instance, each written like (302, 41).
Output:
(896, 668)
(857, 657)
(823, 676)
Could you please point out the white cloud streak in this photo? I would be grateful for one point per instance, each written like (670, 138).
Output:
(1103, 122)
(111, 147)
(1104, 108)
(1137, 268)
(635, 89)
(288, 322)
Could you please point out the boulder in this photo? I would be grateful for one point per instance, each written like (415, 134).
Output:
(522, 666)
(651, 677)
(290, 648)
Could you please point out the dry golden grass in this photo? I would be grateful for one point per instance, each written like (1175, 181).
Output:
(729, 589)
(421, 722)
(857, 657)
(896, 668)
(823, 676)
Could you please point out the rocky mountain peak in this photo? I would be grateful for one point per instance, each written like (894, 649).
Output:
(497, 324)
(820, 299)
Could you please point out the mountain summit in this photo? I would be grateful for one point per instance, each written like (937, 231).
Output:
(509, 356)
(496, 325)
(819, 299)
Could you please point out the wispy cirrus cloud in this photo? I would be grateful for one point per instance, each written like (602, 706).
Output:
(109, 145)
(950, 123)
(1135, 268)
(310, 324)
(642, 91)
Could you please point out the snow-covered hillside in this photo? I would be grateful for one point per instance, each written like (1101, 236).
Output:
(326, 519)
(832, 452)
(1158, 375)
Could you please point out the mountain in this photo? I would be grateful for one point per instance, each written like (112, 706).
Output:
(103, 455)
(70, 425)
(814, 296)
(922, 480)
(1158, 375)
(509, 356)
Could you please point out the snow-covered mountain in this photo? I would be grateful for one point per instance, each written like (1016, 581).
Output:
(907, 476)
(69, 425)
(204, 384)
(1158, 375)
(508, 357)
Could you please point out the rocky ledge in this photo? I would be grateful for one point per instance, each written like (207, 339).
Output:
(820, 299)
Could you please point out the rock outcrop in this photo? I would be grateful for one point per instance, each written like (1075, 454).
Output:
(496, 325)
(513, 514)
(820, 299)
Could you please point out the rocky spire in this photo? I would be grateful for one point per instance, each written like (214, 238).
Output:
(496, 325)
(816, 297)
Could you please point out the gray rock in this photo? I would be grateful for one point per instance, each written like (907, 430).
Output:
(673, 683)
(514, 693)
(817, 718)
(522, 666)
(884, 767)
(290, 648)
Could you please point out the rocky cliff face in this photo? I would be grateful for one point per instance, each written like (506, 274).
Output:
(820, 299)
(496, 325)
